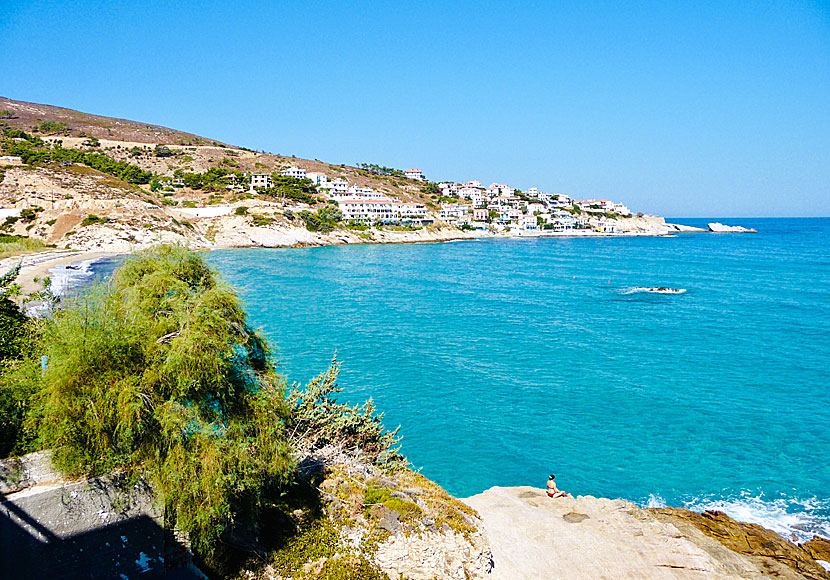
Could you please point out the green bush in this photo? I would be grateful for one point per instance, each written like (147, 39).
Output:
(241, 210)
(93, 219)
(158, 372)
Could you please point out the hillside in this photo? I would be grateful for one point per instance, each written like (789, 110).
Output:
(90, 183)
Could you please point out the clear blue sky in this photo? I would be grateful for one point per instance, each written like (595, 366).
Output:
(684, 109)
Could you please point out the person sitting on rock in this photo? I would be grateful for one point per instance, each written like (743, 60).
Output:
(552, 489)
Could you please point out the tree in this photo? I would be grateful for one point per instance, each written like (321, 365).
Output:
(157, 372)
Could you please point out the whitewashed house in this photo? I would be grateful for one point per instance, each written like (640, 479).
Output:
(452, 212)
(533, 191)
(414, 174)
(410, 213)
(529, 223)
(317, 178)
(337, 186)
(294, 172)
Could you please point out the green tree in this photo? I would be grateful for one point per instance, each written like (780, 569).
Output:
(157, 372)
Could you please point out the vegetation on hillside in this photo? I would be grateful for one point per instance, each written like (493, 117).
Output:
(381, 170)
(16, 245)
(291, 188)
(34, 151)
(157, 373)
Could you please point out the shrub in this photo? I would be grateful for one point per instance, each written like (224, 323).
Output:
(93, 219)
(241, 210)
(158, 372)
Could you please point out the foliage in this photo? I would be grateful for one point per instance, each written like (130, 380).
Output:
(241, 210)
(319, 420)
(211, 180)
(16, 333)
(300, 190)
(157, 372)
(431, 188)
(375, 495)
(52, 128)
(93, 219)
(381, 170)
(9, 133)
(33, 154)
(323, 220)
(320, 540)
(14, 245)
(163, 151)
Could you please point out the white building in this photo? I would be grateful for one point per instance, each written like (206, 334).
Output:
(453, 211)
(317, 178)
(414, 174)
(294, 172)
(260, 180)
(533, 191)
(367, 211)
(532, 208)
(410, 212)
(364, 192)
(337, 186)
(529, 222)
(499, 189)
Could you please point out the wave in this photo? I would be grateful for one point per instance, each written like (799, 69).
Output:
(68, 277)
(650, 290)
(792, 518)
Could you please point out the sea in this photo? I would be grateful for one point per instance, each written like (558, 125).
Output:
(506, 360)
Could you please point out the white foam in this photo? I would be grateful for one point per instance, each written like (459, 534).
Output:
(66, 277)
(789, 517)
(655, 501)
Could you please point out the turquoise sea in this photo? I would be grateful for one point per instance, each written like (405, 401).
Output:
(507, 360)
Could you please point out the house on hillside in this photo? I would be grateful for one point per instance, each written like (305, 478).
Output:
(336, 187)
(414, 174)
(317, 178)
(294, 172)
(261, 180)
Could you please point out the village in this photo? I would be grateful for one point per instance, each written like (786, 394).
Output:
(468, 206)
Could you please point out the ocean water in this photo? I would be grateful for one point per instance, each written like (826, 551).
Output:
(507, 360)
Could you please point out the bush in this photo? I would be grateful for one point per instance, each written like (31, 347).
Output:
(158, 372)
(241, 210)
(93, 219)
(323, 220)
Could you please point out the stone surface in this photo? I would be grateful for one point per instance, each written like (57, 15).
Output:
(533, 537)
(56, 528)
(752, 540)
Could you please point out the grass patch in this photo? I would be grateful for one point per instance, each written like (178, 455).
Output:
(375, 495)
(93, 219)
(15, 245)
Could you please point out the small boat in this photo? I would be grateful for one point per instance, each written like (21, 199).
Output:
(659, 290)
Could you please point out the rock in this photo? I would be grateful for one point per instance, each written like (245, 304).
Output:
(583, 538)
(720, 228)
(818, 548)
(753, 540)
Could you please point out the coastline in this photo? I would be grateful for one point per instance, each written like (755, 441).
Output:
(38, 265)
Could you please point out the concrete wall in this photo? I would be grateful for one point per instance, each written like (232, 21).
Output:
(55, 528)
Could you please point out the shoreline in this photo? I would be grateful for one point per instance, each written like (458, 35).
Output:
(38, 265)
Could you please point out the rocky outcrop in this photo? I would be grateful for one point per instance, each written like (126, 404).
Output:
(401, 523)
(720, 228)
(533, 536)
(752, 540)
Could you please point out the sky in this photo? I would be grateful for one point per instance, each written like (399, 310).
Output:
(683, 109)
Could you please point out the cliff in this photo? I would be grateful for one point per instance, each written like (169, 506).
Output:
(533, 536)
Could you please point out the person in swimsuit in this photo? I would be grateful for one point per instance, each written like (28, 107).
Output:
(552, 489)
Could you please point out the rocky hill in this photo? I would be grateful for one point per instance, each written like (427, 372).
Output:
(117, 185)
